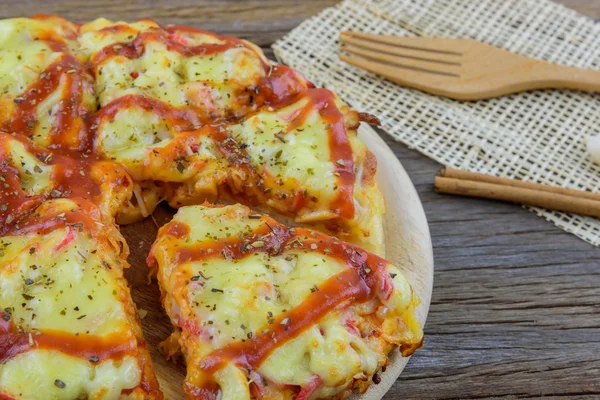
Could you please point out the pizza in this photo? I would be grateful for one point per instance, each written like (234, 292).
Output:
(262, 310)
(102, 121)
(69, 329)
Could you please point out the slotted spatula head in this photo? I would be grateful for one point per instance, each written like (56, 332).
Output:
(461, 69)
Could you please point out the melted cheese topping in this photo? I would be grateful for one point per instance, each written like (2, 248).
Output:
(265, 311)
(68, 323)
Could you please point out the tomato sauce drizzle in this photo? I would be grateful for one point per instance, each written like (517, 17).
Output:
(365, 278)
(14, 342)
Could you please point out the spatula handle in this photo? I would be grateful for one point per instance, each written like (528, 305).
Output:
(564, 77)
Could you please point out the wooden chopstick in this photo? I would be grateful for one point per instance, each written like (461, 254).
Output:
(472, 184)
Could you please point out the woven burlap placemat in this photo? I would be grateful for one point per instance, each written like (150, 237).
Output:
(536, 136)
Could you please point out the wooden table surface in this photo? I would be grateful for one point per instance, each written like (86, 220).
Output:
(516, 303)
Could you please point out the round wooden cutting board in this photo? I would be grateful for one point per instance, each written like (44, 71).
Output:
(408, 246)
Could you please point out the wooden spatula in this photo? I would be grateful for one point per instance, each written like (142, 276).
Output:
(461, 69)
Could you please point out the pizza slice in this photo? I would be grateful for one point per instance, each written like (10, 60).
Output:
(69, 329)
(301, 159)
(47, 93)
(183, 67)
(262, 310)
(30, 175)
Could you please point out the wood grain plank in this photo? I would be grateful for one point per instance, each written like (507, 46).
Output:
(515, 309)
(261, 22)
(516, 302)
